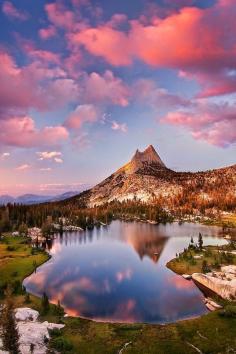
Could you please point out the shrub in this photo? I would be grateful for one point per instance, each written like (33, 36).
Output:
(228, 311)
(55, 332)
(11, 248)
(61, 344)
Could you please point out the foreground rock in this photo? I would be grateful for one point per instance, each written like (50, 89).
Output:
(33, 334)
(222, 283)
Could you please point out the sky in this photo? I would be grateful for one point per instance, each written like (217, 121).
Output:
(84, 83)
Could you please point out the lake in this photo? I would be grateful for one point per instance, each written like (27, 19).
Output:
(118, 272)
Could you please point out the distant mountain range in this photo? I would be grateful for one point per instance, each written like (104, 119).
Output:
(146, 178)
(35, 199)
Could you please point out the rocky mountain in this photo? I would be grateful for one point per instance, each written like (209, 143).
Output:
(146, 178)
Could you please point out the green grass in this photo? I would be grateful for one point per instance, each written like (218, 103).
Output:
(88, 337)
(186, 264)
(17, 260)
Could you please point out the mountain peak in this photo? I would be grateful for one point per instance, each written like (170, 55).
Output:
(143, 159)
(149, 155)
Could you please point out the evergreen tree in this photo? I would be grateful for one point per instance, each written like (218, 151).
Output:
(205, 267)
(9, 327)
(200, 241)
(44, 304)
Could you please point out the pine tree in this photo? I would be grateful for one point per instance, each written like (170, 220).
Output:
(200, 241)
(9, 327)
(44, 304)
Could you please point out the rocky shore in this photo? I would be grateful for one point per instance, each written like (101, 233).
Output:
(222, 283)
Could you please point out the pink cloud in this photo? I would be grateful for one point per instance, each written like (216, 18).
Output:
(21, 132)
(200, 42)
(86, 113)
(104, 42)
(47, 33)
(106, 88)
(215, 124)
(59, 15)
(34, 86)
(12, 12)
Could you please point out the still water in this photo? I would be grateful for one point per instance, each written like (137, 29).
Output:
(118, 273)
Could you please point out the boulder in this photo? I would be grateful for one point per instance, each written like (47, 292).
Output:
(187, 276)
(26, 314)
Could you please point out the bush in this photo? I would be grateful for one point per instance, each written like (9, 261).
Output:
(229, 311)
(61, 344)
(11, 248)
(55, 332)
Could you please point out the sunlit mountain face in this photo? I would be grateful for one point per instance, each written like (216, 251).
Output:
(85, 83)
(119, 274)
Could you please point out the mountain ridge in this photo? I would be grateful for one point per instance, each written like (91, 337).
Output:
(30, 199)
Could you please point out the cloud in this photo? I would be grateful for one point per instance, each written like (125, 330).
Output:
(146, 91)
(117, 126)
(214, 123)
(4, 155)
(21, 132)
(56, 188)
(105, 88)
(50, 155)
(47, 33)
(59, 15)
(23, 167)
(86, 113)
(104, 42)
(12, 12)
(183, 45)
(58, 160)
(36, 85)
(197, 41)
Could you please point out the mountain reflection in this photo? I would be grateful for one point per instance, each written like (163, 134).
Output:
(118, 273)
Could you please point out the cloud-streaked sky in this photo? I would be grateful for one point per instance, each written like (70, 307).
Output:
(84, 83)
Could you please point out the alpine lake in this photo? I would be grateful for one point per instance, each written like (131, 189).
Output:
(118, 273)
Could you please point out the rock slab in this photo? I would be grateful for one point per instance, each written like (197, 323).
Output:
(222, 283)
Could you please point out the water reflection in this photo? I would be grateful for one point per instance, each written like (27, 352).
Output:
(118, 273)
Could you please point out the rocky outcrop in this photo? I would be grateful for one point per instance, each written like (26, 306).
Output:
(222, 283)
(141, 159)
(32, 332)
